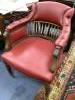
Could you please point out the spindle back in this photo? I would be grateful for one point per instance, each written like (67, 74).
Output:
(44, 29)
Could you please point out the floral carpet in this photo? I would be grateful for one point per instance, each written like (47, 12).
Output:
(61, 82)
(69, 93)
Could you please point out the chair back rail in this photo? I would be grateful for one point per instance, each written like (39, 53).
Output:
(44, 29)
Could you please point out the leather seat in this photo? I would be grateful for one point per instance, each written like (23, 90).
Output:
(34, 39)
(32, 56)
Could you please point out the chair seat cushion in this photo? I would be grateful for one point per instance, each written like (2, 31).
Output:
(32, 56)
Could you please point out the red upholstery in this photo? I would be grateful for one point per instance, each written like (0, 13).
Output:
(34, 55)
(62, 40)
(50, 12)
(21, 32)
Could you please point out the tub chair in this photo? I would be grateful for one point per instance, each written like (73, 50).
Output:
(34, 42)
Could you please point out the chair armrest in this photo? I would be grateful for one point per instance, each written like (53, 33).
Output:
(12, 37)
(23, 20)
(14, 32)
(17, 29)
(64, 36)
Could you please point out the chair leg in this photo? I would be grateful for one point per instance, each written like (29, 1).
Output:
(9, 69)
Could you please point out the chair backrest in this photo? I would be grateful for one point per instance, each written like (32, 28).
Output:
(45, 19)
(49, 11)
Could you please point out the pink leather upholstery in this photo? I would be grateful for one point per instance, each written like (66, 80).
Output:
(49, 12)
(34, 55)
(17, 34)
(62, 40)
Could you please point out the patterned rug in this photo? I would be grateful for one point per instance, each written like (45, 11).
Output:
(63, 86)
(69, 93)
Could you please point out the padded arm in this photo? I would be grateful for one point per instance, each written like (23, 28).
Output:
(22, 21)
(18, 29)
(11, 37)
(64, 36)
